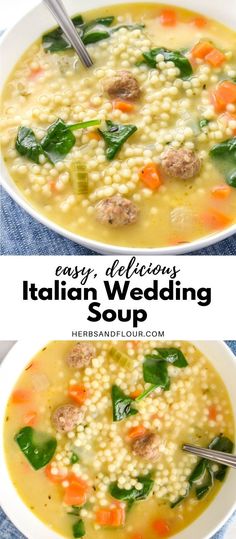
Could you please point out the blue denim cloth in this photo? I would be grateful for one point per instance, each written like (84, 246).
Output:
(22, 235)
(8, 531)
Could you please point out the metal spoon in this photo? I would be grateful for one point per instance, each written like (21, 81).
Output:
(211, 454)
(58, 10)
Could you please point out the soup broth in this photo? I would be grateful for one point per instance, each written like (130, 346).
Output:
(180, 102)
(118, 466)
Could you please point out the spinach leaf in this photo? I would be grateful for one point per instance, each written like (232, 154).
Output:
(224, 154)
(133, 495)
(37, 447)
(74, 458)
(121, 404)
(203, 474)
(115, 136)
(221, 443)
(156, 373)
(180, 498)
(231, 178)
(79, 529)
(58, 141)
(90, 32)
(56, 144)
(203, 489)
(27, 144)
(171, 355)
(177, 57)
(203, 123)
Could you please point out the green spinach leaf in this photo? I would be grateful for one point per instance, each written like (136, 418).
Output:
(79, 529)
(58, 141)
(26, 144)
(177, 57)
(115, 136)
(171, 355)
(203, 123)
(37, 447)
(122, 404)
(133, 495)
(74, 458)
(156, 372)
(221, 443)
(224, 154)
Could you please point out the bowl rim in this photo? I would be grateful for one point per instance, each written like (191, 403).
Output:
(7, 366)
(99, 247)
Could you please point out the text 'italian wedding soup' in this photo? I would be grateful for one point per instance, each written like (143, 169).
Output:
(139, 150)
(97, 430)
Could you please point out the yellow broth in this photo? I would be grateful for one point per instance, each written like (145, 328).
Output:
(44, 87)
(184, 413)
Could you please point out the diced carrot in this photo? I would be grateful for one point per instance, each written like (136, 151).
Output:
(215, 219)
(93, 135)
(217, 102)
(21, 396)
(114, 517)
(201, 49)
(135, 394)
(77, 491)
(135, 432)
(134, 344)
(123, 106)
(150, 176)
(55, 477)
(162, 527)
(221, 192)
(168, 17)
(30, 419)
(226, 92)
(78, 393)
(136, 536)
(215, 58)
(212, 412)
(53, 186)
(199, 22)
(35, 73)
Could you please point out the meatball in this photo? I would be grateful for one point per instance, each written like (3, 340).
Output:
(116, 211)
(182, 163)
(66, 417)
(122, 85)
(147, 446)
(81, 355)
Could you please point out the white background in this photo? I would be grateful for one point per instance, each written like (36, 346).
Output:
(179, 319)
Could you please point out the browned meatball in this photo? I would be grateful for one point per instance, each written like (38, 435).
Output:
(147, 446)
(116, 211)
(182, 163)
(81, 355)
(122, 85)
(66, 417)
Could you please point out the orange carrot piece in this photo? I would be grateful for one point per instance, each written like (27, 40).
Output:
(78, 393)
(212, 412)
(55, 478)
(136, 536)
(150, 176)
(77, 491)
(35, 73)
(215, 58)
(135, 394)
(226, 92)
(53, 186)
(162, 527)
(201, 49)
(21, 396)
(114, 517)
(215, 219)
(135, 432)
(93, 135)
(30, 419)
(221, 192)
(123, 106)
(217, 102)
(168, 17)
(199, 22)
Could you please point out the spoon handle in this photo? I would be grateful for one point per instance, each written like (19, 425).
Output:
(211, 454)
(57, 9)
